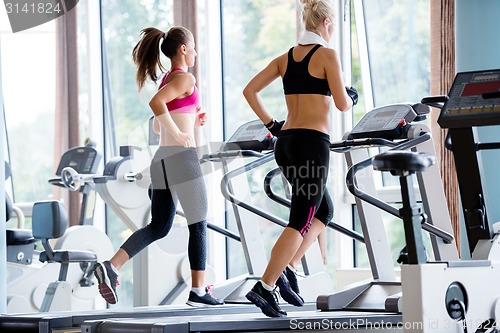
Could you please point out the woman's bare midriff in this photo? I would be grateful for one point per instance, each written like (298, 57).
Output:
(308, 111)
(185, 123)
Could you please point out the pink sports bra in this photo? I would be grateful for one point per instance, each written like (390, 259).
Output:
(188, 104)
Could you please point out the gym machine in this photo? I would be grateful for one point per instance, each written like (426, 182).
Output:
(392, 126)
(31, 273)
(462, 295)
(253, 140)
(230, 317)
(123, 185)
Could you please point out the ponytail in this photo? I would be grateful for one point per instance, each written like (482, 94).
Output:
(146, 54)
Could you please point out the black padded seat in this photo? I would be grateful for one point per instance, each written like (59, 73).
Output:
(50, 221)
(402, 160)
(20, 246)
(20, 237)
(69, 256)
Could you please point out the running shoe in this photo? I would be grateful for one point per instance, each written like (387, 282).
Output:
(287, 292)
(266, 300)
(107, 281)
(206, 300)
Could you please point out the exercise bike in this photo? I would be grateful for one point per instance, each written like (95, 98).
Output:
(451, 295)
(463, 295)
(396, 126)
(57, 277)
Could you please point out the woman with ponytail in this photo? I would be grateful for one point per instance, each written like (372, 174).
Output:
(312, 76)
(175, 170)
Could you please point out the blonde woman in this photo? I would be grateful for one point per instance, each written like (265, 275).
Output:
(312, 77)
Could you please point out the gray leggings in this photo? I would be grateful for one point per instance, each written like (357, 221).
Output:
(175, 177)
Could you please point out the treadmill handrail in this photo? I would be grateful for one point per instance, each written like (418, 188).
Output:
(216, 228)
(269, 191)
(487, 146)
(226, 192)
(351, 185)
(224, 155)
(435, 101)
(349, 144)
(287, 203)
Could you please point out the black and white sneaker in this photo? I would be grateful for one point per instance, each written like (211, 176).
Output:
(292, 278)
(206, 300)
(107, 281)
(266, 300)
(287, 292)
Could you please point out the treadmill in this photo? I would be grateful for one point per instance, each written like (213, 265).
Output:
(182, 318)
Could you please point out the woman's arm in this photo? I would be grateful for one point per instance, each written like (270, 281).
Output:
(333, 71)
(259, 82)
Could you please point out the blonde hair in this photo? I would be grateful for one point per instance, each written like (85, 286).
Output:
(314, 12)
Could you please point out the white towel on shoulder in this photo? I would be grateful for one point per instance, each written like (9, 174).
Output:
(309, 37)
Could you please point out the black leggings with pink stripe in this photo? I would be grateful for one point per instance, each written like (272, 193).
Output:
(303, 156)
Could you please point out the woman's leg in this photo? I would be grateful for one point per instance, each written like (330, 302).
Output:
(306, 169)
(303, 157)
(197, 279)
(119, 259)
(323, 216)
(162, 215)
(186, 180)
(163, 210)
(317, 227)
(197, 253)
(282, 253)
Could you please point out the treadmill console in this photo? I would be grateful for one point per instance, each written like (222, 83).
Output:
(474, 100)
(84, 160)
(386, 122)
(251, 136)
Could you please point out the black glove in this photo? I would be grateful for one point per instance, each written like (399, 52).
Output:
(275, 127)
(353, 93)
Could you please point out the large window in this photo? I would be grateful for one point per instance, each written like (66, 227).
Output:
(252, 35)
(391, 64)
(126, 110)
(236, 38)
(28, 75)
(398, 45)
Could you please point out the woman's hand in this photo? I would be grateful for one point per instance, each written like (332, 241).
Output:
(201, 118)
(185, 139)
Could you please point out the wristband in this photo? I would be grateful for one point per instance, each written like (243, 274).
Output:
(269, 123)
